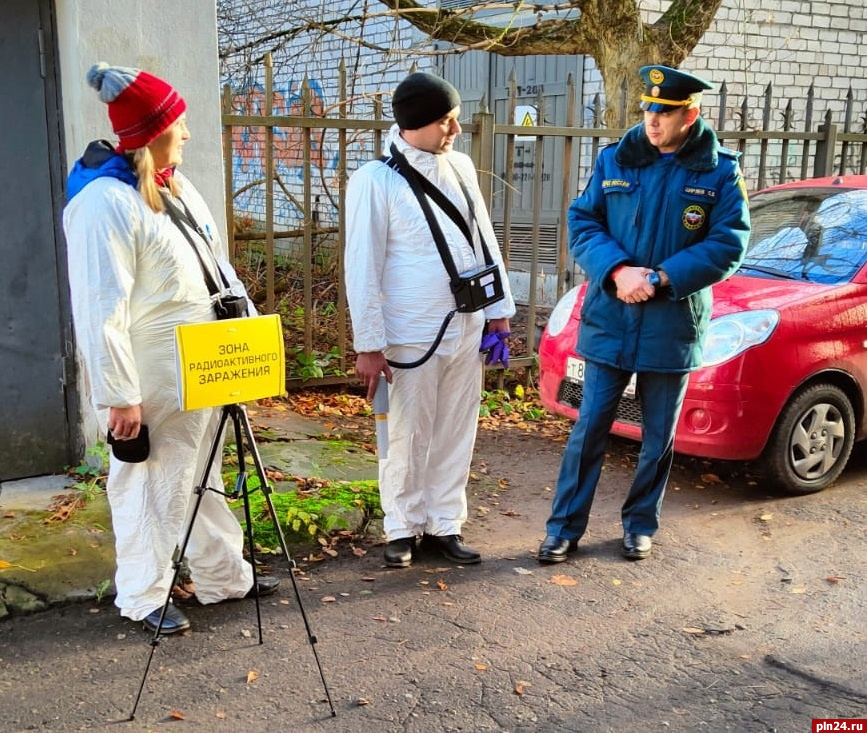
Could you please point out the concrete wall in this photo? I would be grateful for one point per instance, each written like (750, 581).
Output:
(175, 41)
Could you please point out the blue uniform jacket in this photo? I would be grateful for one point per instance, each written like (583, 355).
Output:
(687, 215)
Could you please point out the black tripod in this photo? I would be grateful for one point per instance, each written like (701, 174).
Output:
(243, 434)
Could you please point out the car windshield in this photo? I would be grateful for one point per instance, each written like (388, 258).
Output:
(817, 235)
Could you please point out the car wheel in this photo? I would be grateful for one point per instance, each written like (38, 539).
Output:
(812, 441)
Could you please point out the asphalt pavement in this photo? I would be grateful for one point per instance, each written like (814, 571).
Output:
(748, 616)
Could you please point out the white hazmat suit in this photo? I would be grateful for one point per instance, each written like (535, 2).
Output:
(399, 293)
(133, 278)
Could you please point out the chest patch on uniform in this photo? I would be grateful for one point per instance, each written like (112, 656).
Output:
(693, 217)
(616, 184)
(699, 192)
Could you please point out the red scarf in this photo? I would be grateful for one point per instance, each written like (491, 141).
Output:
(162, 177)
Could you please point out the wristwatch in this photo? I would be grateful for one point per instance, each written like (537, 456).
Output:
(654, 279)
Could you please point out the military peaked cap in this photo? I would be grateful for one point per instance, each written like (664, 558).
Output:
(669, 88)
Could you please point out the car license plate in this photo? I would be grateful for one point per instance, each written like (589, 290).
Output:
(575, 371)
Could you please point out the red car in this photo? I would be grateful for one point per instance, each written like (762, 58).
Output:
(784, 376)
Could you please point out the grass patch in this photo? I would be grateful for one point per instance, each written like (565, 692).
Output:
(318, 510)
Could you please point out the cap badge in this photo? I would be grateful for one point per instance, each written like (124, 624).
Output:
(654, 92)
(656, 76)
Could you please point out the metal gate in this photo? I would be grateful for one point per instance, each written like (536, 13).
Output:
(528, 91)
(34, 433)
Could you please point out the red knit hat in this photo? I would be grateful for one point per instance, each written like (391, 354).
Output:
(140, 106)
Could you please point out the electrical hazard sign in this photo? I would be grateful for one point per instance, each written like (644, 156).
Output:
(526, 116)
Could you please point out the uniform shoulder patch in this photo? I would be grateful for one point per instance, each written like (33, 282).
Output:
(616, 184)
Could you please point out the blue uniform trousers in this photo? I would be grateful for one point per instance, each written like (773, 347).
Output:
(661, 397)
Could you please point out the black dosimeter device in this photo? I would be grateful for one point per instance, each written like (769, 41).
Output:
(478, 290)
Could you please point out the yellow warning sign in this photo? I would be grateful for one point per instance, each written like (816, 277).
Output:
(234, 360)
(526, 115)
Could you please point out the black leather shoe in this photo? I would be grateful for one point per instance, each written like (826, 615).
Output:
(555, 549)
(267, 585)
(636, 546)
(452, 548)
(174, 621)
(398, 553)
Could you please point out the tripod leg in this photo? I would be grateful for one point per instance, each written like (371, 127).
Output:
(242, 490)
(266, 493)
(178, 559)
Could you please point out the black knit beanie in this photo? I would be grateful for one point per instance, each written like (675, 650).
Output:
(421, 99)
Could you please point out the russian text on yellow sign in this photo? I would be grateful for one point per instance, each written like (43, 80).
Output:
(229, 361)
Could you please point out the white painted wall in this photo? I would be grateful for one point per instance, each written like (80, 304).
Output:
(176, 41)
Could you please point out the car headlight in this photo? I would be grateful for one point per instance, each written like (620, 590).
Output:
(730, 335)
(562, 312)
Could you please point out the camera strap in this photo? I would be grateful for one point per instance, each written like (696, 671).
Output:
(400, 164)
(420, 186)
(486, 253)
(179, 218)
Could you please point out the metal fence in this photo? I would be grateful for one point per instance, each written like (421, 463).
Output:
(306, 257)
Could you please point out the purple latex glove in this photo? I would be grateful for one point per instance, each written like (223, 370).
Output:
(495, 346)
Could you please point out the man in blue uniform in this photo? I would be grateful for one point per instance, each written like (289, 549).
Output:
(663, 218)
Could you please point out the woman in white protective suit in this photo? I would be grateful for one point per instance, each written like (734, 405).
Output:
(134, 276)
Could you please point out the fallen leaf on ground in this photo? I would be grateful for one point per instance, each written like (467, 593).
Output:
(562, 580)
(252, 676)
(328, 599)
(692, 630)
(177, 715)
(441, 584)
(481, 667)
(4, 565)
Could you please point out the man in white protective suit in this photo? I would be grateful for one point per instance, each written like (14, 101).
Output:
(134, 275)
(401, 295)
